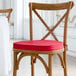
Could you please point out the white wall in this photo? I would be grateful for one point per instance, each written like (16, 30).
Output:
(18, 19)
(1, 4)
(7, 3)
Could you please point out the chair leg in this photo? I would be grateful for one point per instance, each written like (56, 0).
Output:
(65, 62)
(15, 64)
(50, 65)
(32, 66)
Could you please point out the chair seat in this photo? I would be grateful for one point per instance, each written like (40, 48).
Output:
(39, 45)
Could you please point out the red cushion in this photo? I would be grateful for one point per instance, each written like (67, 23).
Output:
(39, 45)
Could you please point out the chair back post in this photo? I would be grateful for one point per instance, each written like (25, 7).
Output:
(31, 27)
(71, 4)
(9, 13)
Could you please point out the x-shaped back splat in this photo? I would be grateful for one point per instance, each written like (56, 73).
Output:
(45, 24)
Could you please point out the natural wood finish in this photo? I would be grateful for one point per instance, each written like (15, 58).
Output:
(61, 6)
(50, 65)
(51, 30)
(65, 61)
(31, 29)
(35, 59)
(44, 24)
(40, 52)
(35, 54)
(61, 59)
(6, 11)
(15, 64)
(45, 65)
(32, 66)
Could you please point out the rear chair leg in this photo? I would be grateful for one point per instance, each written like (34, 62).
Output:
(50, 65)
(32, 66)
(15, 64)
(65, 62)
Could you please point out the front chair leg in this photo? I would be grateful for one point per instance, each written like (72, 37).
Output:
(50, 65)
(65, 62)
(15, 64)
(32, 66)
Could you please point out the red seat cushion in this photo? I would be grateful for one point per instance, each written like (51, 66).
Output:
(39, 45)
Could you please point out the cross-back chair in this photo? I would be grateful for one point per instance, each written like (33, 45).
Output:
(50, 47)
(6, 11)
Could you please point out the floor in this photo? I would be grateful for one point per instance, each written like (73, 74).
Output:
(25, 68)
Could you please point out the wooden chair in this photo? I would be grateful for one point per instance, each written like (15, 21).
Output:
(6, 11)
(50, 47)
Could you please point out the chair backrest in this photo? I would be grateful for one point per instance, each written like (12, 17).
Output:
(61, 6)
(6, 11)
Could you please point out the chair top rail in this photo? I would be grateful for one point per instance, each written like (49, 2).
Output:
(6, 11)
(58, 6)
